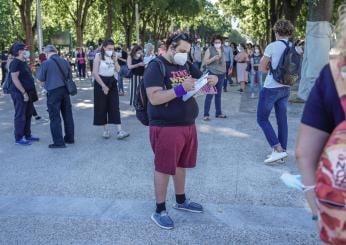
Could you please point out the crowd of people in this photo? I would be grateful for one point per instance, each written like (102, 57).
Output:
(173, 134)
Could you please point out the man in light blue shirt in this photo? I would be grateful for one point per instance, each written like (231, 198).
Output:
(228, 53)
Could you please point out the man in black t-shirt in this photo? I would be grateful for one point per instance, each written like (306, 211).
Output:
(173, 133)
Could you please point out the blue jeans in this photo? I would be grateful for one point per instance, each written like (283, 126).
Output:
(228, 64)
(120, 78)
(255, 74)
(59, 102)
(209, 97)
(277, 98)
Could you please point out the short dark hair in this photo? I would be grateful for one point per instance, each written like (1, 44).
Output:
(175, 38)
(243, 45)
(216, 37)
(284, 28)
(105, 43)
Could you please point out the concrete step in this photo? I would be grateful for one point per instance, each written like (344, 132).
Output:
(79, 220)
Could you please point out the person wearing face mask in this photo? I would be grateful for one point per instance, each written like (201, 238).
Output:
(135, 62)
(255, 73)
(80, 60)
(242, 59)
(228, 53)
(214, 59)
(91, 57)
(122, 60)
(196, 53)
(4, 57)
(149, 53)
(106, 97)
(173, 133)
(52, 74)
(23, 94)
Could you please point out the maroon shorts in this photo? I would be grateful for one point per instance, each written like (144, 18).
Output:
(174, 147)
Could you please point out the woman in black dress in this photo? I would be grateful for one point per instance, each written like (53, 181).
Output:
(136, 65)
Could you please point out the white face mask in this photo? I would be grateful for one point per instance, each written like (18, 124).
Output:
(138, 55)
(218, 45)
(109, 53)
(118, 54)
(292, 181)
(226, 43)
(26, 54)
(257, 51)
(180, 58)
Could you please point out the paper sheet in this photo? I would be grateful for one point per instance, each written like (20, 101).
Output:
(199, 84)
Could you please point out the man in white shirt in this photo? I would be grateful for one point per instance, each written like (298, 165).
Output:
(275, 94)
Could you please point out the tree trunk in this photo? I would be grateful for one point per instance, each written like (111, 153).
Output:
(291, 10)
(266, 9)
(318, 37)
(109, 19)
(273, 18)
(80, 35)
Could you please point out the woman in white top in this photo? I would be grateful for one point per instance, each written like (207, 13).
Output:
(106, 97)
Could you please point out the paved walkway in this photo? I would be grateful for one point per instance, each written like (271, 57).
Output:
(101, 191)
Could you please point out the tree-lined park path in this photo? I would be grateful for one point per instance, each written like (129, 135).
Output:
(101, 191)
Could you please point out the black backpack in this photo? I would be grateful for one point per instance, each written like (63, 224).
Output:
(288, 69)
(141, 99)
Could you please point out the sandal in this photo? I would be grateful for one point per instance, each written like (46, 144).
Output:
(206, 119)
(221, 116)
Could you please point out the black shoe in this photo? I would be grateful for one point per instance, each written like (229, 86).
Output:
(224, 89)
(53, 146)
(68, 141)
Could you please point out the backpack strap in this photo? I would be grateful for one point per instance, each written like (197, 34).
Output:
(339, 81)
(286, 43)
(162, 69)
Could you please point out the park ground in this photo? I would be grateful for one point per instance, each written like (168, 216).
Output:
(101, 191)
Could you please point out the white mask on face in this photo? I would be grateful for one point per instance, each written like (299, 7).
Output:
(26, 54)
(118, 54)
(180, 58)
(109, 53)
(226, 43)
(218, 45)
(257, 51)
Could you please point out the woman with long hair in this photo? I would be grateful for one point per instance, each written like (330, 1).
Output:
(242, 59)
(106, 97)
(135, 62)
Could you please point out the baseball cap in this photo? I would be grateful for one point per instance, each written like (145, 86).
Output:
(19, 46)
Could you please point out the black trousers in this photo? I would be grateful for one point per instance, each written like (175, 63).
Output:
(133, 87)
(22, 116)
(58, 101)
(106, 107)
(4, 73)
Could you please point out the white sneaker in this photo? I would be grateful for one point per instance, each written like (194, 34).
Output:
(276, 156)
(106, 134)
(122, 135)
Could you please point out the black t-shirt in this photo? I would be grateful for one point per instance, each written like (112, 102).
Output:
(138, 71)
(25, 75)
(323, 109)
(176, 112)
(123, 56)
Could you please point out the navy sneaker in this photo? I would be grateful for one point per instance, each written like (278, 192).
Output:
(23, 142)
(163, 220)
(32, 138)
(189, 206)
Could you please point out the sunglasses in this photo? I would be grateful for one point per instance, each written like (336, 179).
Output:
(181, 36)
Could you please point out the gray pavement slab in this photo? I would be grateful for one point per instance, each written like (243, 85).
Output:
(101, 191)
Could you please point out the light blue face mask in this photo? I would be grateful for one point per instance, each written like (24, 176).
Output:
(293, 181)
